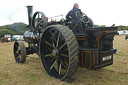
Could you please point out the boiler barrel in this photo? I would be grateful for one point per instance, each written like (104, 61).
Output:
(29, 37)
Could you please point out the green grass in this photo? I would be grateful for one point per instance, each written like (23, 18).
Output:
(32, 72)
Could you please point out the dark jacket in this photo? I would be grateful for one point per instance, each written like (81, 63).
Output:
(75, 26)
(72, 15)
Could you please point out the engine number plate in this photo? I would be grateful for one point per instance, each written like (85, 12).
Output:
(107, 58)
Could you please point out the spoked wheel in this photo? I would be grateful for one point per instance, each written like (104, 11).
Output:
(82, 17)
(39, 21)
(19, 52)
(59, 51)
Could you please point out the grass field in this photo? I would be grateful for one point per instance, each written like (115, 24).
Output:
(32, 72)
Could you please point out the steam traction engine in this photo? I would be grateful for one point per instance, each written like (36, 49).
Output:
(61, 50)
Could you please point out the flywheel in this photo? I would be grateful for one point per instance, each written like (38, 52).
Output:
(59, 51)
(39, 21)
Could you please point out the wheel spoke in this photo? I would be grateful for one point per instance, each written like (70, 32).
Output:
(58, 40)
(62, 46)
(19, 51)
(52, 41)
(49, 49)
(65, 55)
(61, 39)
(53, 44)
(18, 58)
(53, 64)
(65, 50)
(48, 55)
(53, 36)
(60, 68)
(64, 64)
(39, 22)
(49, 44)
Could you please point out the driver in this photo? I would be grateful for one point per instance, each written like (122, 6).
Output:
(71, 16)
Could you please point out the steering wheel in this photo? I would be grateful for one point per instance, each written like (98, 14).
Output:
(39, 21)
(82, 17)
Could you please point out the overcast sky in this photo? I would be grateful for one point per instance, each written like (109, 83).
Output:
(102, 12)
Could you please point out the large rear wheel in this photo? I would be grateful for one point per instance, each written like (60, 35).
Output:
(59, 51)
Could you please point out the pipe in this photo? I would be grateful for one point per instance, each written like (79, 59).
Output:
(30, 13)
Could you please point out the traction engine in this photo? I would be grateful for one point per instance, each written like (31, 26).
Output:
(61, 50)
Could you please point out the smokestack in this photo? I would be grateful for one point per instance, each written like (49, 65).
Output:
(30, 13)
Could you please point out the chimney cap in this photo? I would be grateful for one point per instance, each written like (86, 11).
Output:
(29, 6)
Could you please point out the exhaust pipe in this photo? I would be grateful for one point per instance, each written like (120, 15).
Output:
(30, 13)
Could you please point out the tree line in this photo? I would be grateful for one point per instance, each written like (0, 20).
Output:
(20, 28)
(13, 29)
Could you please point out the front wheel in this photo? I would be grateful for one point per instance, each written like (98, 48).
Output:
(19, 52)
(59, 51)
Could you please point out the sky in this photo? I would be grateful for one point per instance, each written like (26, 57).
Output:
(102, 12)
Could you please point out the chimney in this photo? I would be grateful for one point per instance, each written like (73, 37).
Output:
(30, 13)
